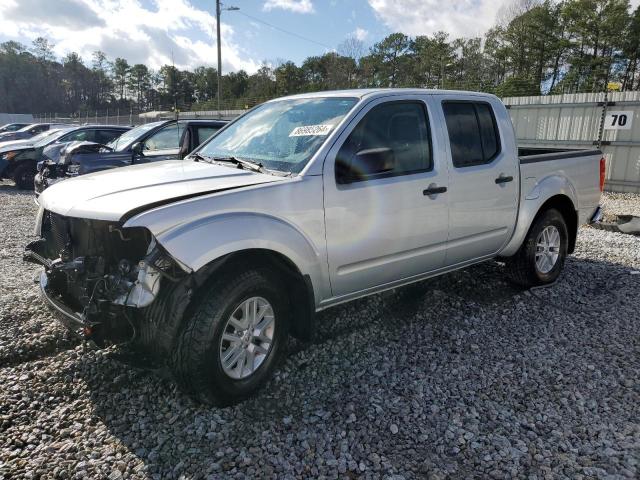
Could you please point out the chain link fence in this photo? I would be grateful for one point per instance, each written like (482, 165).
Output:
(110, 117)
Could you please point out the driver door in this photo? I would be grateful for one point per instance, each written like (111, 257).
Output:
(386, 209)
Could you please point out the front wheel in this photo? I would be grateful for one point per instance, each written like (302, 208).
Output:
(540, 259)
(24, 176)
(233, 339)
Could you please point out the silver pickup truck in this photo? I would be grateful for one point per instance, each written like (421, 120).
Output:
(303, 203)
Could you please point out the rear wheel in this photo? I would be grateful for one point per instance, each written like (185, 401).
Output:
(541, 257)
(233, 339)
(24, 175)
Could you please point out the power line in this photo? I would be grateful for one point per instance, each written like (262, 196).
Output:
(284, 31)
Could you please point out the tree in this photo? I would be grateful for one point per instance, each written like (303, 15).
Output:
(139, 83)
(289, 79)
(537, 46)
(392, 54)
(120, 73)
(43, 50)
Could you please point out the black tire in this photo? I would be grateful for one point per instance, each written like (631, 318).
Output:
(196, 363)
(522, 269)
(24, 176)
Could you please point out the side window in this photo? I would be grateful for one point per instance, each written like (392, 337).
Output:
(392, 139)
(39, 129)
(205, 132)
(78, 136)
(105, 136)
(488, 131)
(166, 139)
(472, 131)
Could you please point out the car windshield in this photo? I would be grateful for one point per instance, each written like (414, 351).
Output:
(52, 136)
(123, 141)
(281, 135)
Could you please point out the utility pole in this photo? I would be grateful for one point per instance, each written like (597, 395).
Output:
(218, 10)
(219, 51)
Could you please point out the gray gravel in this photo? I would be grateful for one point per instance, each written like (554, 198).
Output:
(462, 376)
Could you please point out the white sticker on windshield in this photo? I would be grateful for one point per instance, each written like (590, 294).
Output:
(311, 130)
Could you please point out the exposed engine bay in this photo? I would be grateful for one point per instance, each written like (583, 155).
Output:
(99, 274)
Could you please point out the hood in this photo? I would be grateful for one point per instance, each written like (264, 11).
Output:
(14, 145)
(19, 148)
(112, 194)
(84, 145)
(80, 147)
(9, 136)
(54, 151)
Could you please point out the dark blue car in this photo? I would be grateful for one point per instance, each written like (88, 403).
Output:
(151, 142)
(19, 161)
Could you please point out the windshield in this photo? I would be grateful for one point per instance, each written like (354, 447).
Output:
(123, 141)
(281, 135)
(52, 136)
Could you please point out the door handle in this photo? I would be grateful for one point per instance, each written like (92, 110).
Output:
(433, 190)
(503, 179)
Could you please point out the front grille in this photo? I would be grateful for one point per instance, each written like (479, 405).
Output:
(56, 232)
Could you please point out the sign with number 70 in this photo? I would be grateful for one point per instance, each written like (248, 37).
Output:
(619, 120)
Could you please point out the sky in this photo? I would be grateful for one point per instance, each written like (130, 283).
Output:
(158, 32)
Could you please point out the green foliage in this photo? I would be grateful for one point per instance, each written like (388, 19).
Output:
(538, 47)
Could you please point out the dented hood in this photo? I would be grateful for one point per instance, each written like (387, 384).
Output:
(113, 194)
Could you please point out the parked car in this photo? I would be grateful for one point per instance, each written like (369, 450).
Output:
(12, 127)
(151, 142)
(20, 162)
(29, 131)
(8, 145)
(301, 204)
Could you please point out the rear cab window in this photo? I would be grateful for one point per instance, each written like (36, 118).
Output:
(204, 132)
(473, 132)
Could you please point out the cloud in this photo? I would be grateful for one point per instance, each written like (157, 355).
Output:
(70, 13)
(296, 6)
(361, 34)
(168, 30)
(459, 18)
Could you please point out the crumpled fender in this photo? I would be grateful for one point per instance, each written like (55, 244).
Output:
(201, 241)
(531, 202)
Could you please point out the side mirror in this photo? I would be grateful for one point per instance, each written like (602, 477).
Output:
(364, 164)
(137, 148)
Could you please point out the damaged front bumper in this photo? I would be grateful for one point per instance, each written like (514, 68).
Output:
(73, 321)
(97, 276)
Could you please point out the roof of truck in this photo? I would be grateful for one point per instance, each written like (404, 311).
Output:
(374, 92)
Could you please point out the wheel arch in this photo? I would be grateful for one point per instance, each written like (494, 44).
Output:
(532, 209)
(567, 209)
(298, 286)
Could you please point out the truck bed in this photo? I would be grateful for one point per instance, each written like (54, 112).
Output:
(536, 154)
(579, 167)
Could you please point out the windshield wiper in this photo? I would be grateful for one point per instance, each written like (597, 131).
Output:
(198, 157)
(241, 163)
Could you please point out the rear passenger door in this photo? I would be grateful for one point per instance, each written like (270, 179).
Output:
(483, 179)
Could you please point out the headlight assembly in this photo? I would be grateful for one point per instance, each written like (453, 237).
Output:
(73, 169)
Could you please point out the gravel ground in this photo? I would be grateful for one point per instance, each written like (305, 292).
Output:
(462, 376)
